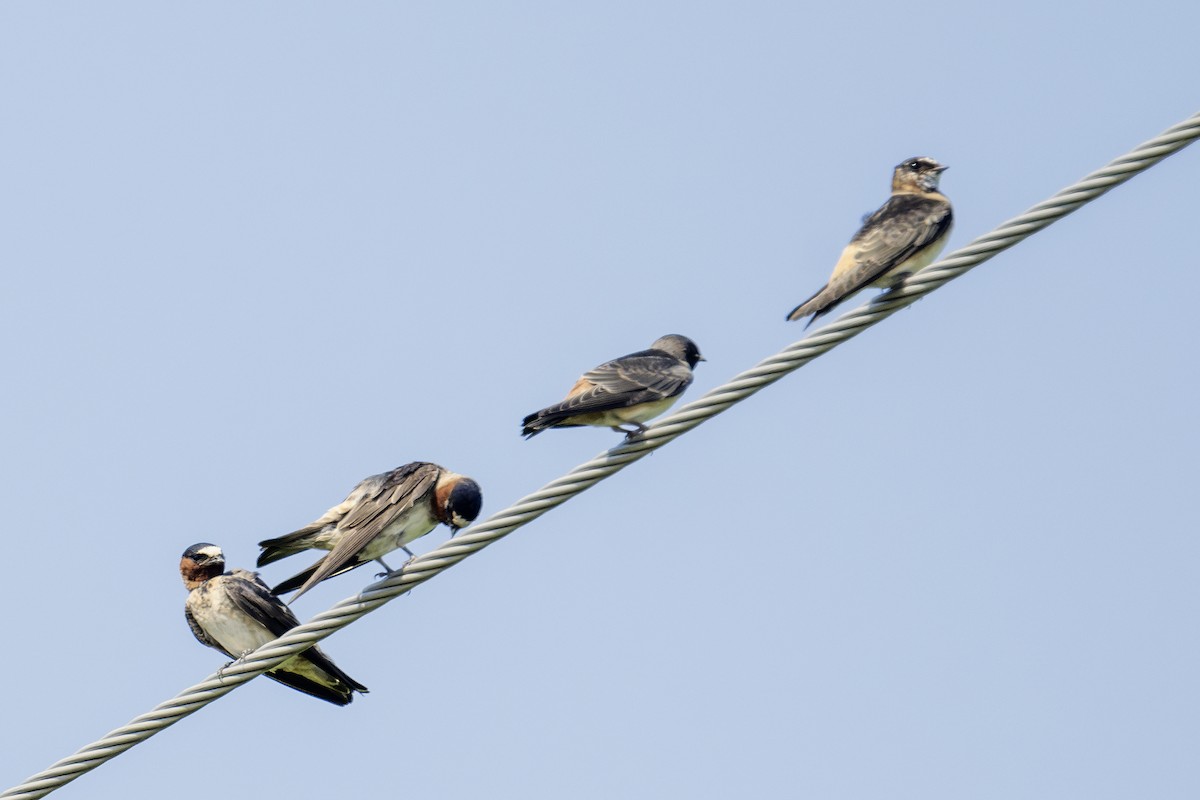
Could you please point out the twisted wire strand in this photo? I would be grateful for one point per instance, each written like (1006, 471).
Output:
(558, 491)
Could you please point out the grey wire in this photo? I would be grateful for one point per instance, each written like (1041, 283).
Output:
(585, 475)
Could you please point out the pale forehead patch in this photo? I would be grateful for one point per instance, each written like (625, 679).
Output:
(210, 551)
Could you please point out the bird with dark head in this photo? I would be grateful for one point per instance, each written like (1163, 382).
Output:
(461, 505)
(201, 562)
(235, 613)
(382, 513)
(625, 391)
(905, 235)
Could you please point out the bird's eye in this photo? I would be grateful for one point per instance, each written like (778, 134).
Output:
(914, 165)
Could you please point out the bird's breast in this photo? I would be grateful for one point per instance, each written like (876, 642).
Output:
(225, 623)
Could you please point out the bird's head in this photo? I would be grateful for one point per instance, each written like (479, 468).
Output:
(917, 174)
(459, 502)
(680, 347)
(201, 562)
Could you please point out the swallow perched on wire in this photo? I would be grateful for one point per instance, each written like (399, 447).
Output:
(627, 390)
(235, 612)
(903, 236)
(382, 513)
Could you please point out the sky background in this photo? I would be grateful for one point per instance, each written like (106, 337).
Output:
(255, 252)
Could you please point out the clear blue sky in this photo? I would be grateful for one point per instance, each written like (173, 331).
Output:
(255, 252)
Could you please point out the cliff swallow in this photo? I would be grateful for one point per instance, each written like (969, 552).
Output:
(235, 612)
(902, 237)
(629, 390)
(382, 513)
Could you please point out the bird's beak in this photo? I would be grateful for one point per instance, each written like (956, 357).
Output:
(702, 358)
(941, 168)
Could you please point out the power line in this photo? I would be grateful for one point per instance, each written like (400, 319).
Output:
(602, 466)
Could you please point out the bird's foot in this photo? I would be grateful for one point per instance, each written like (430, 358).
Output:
(637, 431)
(896, 284)
(236, 661)
(390, 572)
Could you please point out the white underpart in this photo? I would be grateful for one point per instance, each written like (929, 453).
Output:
(639, 413)
(223, 621)
(406, 528)
(645, 411)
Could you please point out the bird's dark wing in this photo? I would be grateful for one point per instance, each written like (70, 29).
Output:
(905, 225)
(661, 374)
(899, 230)
(251, 596)
(302, 539)
(300, 578)
(395, 493)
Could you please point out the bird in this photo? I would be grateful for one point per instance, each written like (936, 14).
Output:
(382, 513)
(627, 390)
(235, 612)
(905, 235)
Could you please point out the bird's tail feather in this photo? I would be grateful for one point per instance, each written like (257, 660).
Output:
(297, 580)
(534, 424)
(817, 305)
(341, 695)
(300, 579)
(284, 546)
